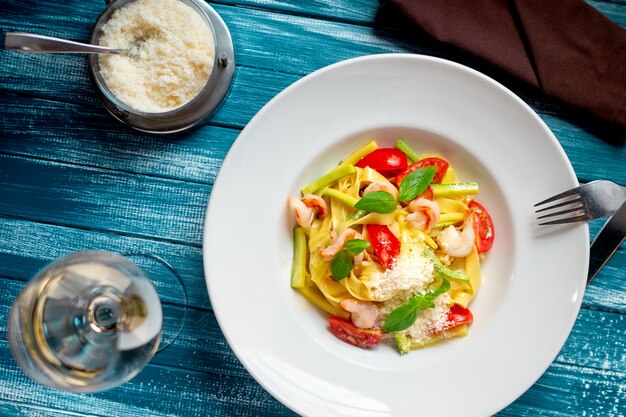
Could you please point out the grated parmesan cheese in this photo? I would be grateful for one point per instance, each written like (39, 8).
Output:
(430, 320)
(172, 59)
(410, 274)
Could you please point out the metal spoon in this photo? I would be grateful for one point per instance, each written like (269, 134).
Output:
(30, 42)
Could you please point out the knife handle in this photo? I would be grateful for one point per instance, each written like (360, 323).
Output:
(607, 242)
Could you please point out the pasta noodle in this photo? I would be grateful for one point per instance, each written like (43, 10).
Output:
(392, 248)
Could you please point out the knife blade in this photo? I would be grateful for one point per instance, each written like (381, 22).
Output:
(607, 242)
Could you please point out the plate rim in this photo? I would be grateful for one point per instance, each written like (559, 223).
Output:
(319, 73)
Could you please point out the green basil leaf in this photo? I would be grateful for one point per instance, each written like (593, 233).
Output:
(377, 202)
(404, 316)
(443, 287)
(422, 301)
(356, 246)
(401, 318)
(416, 182)
(341, 265)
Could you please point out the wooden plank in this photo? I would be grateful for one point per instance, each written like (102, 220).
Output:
(156, 391)
(87, 136)
(65, 79)
(112, 201)
(310, 46)
(365, 11)
(200, 346)
(21, 259)
(565, 391)
(595, 340)
(13, 409)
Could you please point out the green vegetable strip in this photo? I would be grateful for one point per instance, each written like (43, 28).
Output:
(343, 197)
(442, 270)
(298, 267)
(445, 224)
(328, 178)
(360, 153)
(455, 189)
(450, 218)
(357, 215)
(410, 154)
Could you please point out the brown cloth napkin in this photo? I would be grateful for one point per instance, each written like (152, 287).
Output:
(566, 48)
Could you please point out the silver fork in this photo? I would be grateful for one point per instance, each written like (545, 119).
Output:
(594, 200)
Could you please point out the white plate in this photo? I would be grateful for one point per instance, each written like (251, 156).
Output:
(533, 279)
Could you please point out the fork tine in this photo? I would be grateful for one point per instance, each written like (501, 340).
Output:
(561, 195)
(576, 219)
(578, 211)
(564, 203)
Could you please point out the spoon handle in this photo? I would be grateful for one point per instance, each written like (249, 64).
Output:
(30, 42)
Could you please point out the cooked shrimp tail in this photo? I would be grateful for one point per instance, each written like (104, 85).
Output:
(455, 243)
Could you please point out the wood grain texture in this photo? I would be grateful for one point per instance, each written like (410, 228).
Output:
(72, 195)
(364, 11)
(156, 391)
(595, 340)
(89, 136)
(316, 45)
(20, 260)
(201, 348)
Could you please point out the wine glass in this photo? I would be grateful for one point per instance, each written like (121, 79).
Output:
(87, 322)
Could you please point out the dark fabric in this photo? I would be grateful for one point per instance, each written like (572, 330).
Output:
(564, 47)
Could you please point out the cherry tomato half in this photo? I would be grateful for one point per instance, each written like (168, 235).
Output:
(456, 316)
(440, 164)
(349, 333)
(428, 194)
(387, 161)
(385, 244)
(483, 227)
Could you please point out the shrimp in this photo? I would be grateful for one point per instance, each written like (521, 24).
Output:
(455, 243)
(424, 214)
(364, 314)
(315, 202)
(382, 186)
(339, 242)
(307, 208)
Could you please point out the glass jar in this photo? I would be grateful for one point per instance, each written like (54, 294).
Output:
(190, 113)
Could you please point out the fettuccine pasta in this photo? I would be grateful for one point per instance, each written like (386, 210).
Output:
(389, 243)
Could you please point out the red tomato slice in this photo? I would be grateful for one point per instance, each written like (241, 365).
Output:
(428, 194)
(387, 161)
(457, 316)
(349, 333)
(483, 227)
(385, 244)
(442, 168)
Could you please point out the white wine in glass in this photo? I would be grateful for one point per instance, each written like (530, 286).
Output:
(87, 322)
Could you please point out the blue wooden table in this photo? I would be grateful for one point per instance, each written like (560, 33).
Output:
(72, 178)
